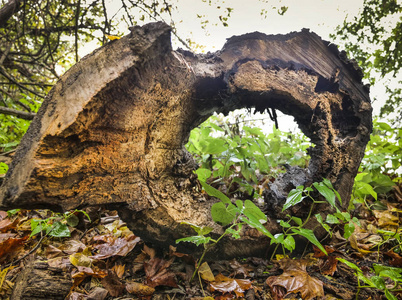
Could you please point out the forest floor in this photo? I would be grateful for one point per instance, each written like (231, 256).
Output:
(102, 259)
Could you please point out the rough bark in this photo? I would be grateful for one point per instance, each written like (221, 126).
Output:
(38, 281)
(112, 130)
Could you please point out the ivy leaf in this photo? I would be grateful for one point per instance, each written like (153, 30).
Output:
(289, 243)
(326, 192)
(222, 214)
(203, 174)
(250, 209)
(59, 230)
(309, 234)
(295, 196)
(348, 230)
(214, 192)
(196, 239)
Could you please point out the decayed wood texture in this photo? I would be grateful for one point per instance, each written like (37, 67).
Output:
(39, 281)
(112, 130)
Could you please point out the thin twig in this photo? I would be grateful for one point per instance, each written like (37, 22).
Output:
(29, 253)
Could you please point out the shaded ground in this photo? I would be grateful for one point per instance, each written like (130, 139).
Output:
(102, 259)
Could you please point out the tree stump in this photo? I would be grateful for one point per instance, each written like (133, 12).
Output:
(111, 131)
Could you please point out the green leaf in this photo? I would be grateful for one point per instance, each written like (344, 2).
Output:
(348, 230)
(331, 219)
(234, 233)
(255, 223)
(59, 230)
(324, 190)
(214, 192)
(252, 210)
(36, 226)
(309, 234)
(295, 196)
(222, 214)
(389, 295)
(284, 224)
(196, 239)
(325, 226)
(297, 220)
(72, 220)
(378, 282)
(289, 243)
(12, 212)
(203, 174)
(84, 213)
(213, 145)
(3, 168)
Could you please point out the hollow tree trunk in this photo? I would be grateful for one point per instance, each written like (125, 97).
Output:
(112, 130)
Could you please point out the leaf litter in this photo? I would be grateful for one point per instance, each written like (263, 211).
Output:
(105, 260)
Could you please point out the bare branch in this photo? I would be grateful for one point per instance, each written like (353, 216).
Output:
(7, 11)
(20, 114)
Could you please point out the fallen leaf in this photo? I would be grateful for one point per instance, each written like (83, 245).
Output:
(205, 272)
(149, 251)
(97, 293)
(225, 284)
(158, 274)
(386, 219)
(77, 296)
(319, 254)
(239, 269)
(84, 272)
(115, 246)
(72, 246)
(60, 263)
(112, 283)
(329, 265)
(139, 289)
(80, 259)
(11, 246)
(295, 279)
(119, 270)
(362, 248)
(396, 259)
(6, 224)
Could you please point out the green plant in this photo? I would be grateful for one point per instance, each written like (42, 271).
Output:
(378, 280)
(3, 168)
(57, 225)
(225, 213)
(295, 226)
(241, 157)
(381, 165)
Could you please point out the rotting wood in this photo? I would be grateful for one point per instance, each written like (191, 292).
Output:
(111, 131)
(39, 281)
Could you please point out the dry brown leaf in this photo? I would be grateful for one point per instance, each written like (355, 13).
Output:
(115, 246)
(328, 265)
(11, 246)
(295, 279)
(112, 283)
(158, 274)
(97, 293)
(396, 259)
(205, 272)
(362, 248)
(239, 269)
(119, 270)
(225, 285)
(139, 289)
(6, 224)
(386, 219)
(149, 251)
